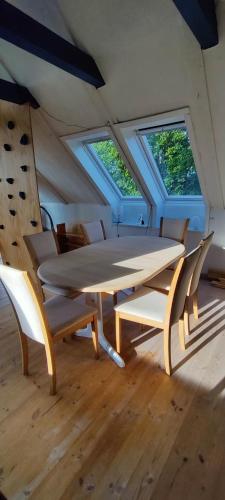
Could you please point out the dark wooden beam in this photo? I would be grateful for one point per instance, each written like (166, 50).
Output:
(200, 15)
(23, 31)
(12, 92)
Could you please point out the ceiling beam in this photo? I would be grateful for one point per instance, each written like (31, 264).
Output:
(200, 15)
(12, 92)
(23, 31)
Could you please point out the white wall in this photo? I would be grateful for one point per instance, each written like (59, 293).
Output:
(58, 168)
(216, 256)
(75, 213)
(151, 63)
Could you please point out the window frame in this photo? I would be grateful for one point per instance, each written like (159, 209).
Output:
(94, 157)
(126, 140)
(140, 134)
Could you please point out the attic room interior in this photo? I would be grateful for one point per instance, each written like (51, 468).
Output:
(112, 249)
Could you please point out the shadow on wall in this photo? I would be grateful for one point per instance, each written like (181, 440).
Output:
(216, 258)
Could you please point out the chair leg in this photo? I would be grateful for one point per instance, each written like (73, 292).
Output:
(115, 299)
(167, 350)
(186, 317)
(181, 335)
(94, 326)
(25, 353)
(118, 332)
(195, 305)
(51, 368)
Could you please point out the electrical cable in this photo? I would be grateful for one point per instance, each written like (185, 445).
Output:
(62, 121)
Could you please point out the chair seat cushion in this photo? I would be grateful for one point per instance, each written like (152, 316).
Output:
(146, 303)
(62, 312)
(162, 281)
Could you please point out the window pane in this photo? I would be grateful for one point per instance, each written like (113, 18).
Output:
(172, 152)
(110, 158)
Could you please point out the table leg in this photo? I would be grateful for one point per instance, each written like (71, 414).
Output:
(86, 332)
(102, 339)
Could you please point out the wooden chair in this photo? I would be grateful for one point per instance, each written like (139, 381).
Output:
(68, 241)
(175, 229)
(47, 322)
(163, 281)
(94, 232)
(43, 246)
(156, 309)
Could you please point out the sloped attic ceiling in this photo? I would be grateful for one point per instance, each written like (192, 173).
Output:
(61, 178)
(58, 169)
(149, 59)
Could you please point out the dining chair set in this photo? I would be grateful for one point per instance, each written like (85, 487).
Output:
(159, 303)
(166, 299)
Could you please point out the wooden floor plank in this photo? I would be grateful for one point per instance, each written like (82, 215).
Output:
(112, 433)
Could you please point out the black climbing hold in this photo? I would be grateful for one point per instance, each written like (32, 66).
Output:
(12, 212)
(24, 140)
(10, 180)
(33, 223)
(2, 226)
(10, 125)
(7, 147)
(22, 195)
(24, 168)
(14, 243)
(10, 196)
(7, 263)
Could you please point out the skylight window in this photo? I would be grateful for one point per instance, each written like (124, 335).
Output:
(108, 158)
(169, 150)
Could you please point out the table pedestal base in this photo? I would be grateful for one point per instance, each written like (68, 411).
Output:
(104, 343)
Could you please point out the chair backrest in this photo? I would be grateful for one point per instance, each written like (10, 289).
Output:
(180, 285)
(25, 303)
(205, 244)
(41, 246)
(93, 231)
(175, 229)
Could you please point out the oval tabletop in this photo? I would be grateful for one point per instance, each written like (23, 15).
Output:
(112, 264)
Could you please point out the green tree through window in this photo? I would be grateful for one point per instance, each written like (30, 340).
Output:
(110, 158)
(172, 152)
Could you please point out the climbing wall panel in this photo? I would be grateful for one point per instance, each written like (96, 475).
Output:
(19, 200)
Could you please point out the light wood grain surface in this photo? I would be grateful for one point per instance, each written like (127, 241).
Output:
(110, 434)
(111, 265)
(13, 249)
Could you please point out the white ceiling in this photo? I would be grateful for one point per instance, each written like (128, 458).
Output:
(150, 61)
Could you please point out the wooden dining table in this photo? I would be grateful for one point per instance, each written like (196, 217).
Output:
(110, 266)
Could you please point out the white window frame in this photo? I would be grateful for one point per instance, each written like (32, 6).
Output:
(93, 155)
(127, 133)
(153, 165)
(75, 144)
(128, 143)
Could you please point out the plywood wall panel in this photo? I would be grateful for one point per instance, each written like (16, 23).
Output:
(10, 167)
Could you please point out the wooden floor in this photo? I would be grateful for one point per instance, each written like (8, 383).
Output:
(130, 433)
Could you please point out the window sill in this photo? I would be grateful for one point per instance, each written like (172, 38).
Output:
(129, 224)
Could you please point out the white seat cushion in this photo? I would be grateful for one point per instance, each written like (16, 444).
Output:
(62, 312)
(146, 303)
(162, 281)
